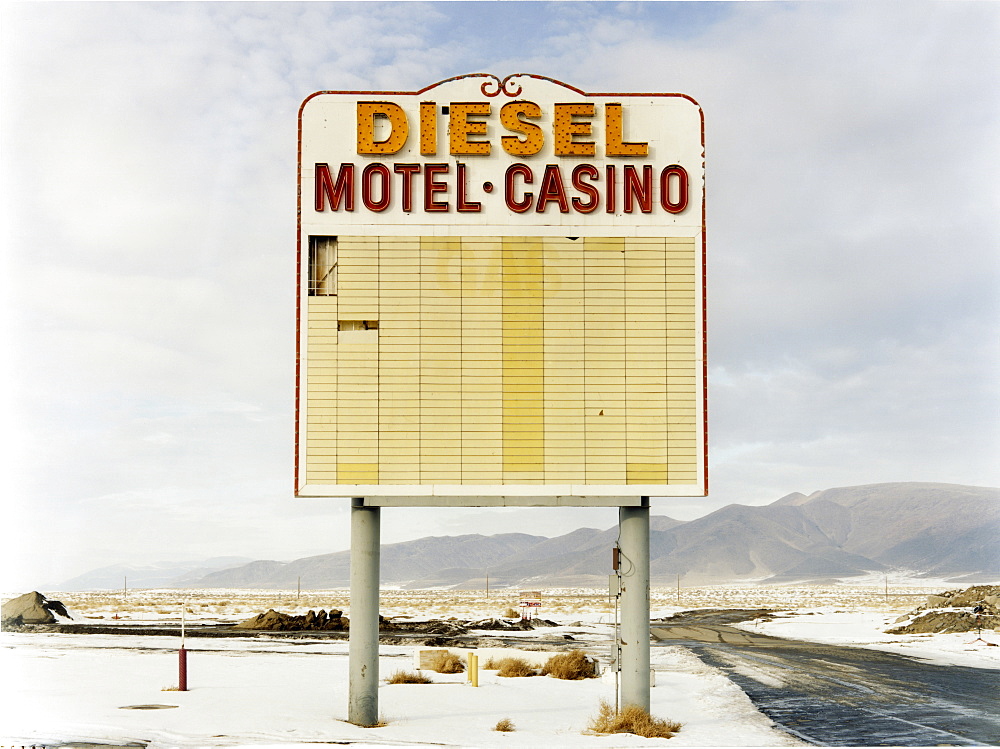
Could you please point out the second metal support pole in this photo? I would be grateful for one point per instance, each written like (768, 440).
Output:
(362, 707)
(633, 524)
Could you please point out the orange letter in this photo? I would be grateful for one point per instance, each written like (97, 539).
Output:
(462, 127)
(614, 132)
(428, 128)
(367, 112)
(510, 118)
(565, 129)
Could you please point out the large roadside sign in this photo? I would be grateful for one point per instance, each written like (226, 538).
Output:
(501, 295)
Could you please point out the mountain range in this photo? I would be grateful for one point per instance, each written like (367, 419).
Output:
(934, 530)
(155, 575)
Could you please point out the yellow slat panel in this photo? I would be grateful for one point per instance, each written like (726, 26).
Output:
(361, 473)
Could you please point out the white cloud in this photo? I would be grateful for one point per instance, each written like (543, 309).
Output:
(149, 191)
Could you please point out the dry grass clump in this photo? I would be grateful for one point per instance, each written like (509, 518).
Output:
(572, 665)
(504, 725)
(446, 663)
(511, 614)
(491, 664)
(632, 719)
(408, 677)
(512, 667)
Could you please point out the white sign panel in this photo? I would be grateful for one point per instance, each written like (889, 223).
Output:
(501, 295)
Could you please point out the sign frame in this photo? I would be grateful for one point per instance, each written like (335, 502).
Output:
(499, 494)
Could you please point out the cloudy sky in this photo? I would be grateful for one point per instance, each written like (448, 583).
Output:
(148, 165)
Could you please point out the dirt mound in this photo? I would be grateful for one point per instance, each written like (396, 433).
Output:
(432, 627)
(965, 610)
(276, 621)
(985, 595)
(946, 621)
(335, 621)
(510, 625)
(32, 608)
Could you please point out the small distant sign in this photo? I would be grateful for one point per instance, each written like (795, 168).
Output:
(531, 603)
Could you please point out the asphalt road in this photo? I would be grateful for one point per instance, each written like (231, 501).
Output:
(839, 696)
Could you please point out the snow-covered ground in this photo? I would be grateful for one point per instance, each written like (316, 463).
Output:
(272, 692)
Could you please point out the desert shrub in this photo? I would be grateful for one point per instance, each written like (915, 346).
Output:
(491, 664)
(572, 665)
(632, 719)
(504, 725)
(446, 663)
(511, 614)
(408, 677)
(514, 667)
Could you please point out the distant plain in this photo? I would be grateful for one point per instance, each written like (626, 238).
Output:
(587, 604)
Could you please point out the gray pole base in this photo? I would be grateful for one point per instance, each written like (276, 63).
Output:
(633, 523)
(362, 708)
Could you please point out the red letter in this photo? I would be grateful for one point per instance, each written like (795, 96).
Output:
(518, 206)
(552, 189)
(641, 190)
(343, 190)
(432, 186)
(579, 172)
(610, 190)
(407, 170)
(465, 206)
(366, 187)
(674, 206)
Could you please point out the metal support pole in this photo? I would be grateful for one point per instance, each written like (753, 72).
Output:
(362, 707)
(633, 523)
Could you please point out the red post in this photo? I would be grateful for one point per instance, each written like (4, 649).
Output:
(182, 667)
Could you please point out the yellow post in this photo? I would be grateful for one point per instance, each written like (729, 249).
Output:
(474, 669)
